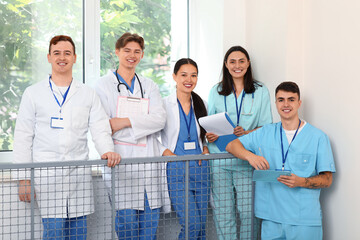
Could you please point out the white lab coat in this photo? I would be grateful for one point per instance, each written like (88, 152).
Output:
(61, 192)
(170, 133)
(133, 180)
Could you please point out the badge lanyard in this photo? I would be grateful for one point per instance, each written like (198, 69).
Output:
(238, 111)
(282, 147)
(64, 96)
(188, 124)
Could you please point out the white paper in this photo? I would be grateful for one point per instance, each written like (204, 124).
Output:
(217, 124)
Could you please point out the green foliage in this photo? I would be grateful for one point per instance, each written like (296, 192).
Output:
(16, 73)
(151, 20)
(26, 26)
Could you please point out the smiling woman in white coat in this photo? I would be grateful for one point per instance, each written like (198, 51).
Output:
(182, 135)
(52, 125)
(139, 187)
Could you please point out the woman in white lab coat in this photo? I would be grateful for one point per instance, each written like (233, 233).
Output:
(139, 188)
(182, 135)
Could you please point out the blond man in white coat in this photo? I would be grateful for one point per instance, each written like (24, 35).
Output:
(54, 118)
(140, 188)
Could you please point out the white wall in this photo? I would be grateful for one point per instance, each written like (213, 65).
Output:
(317, 45)
(206, 37)
(331, 78)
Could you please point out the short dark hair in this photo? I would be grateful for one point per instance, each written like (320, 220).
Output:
(288, 87)
(129, 37)
(60, 38)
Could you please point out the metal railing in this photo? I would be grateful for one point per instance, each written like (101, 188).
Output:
(14, 215)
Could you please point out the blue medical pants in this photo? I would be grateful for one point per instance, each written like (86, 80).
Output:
(279, 231)
(137, 224)
(65, 228)
(199, 192)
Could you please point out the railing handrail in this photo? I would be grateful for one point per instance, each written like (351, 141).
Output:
(213, 156)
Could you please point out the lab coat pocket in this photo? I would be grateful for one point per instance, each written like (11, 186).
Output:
(302, 165)
(80, 117)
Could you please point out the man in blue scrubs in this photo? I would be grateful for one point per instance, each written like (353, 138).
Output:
(289, 208)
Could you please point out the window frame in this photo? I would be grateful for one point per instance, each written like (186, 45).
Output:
(91, 51)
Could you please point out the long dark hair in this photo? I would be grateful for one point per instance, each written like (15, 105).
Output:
(225, 86)
(199, 106)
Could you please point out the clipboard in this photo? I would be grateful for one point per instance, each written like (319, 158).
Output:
(132, 107)
(268, 175)
(224, 140)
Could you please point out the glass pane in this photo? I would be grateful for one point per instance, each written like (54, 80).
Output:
(152, 19)
(26, 28)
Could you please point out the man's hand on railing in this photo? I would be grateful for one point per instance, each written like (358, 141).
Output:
(25, 191)
(113, 158)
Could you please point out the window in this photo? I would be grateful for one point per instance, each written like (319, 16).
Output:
(25, 29)
(27, 26)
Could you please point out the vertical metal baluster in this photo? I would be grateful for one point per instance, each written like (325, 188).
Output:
(113, 211)
(252, 209)
(186, 200)
(32, 204)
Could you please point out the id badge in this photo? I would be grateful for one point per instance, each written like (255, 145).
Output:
(57, 123)
(189, 145)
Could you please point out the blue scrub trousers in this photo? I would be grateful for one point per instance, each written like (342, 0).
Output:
(278, 231)
(65, 228)
(226, 181)
(199, 193)
(137, 224)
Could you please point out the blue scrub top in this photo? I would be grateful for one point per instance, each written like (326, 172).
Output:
(121, 79)
(183, 135)
(254, 114)
(310, 153)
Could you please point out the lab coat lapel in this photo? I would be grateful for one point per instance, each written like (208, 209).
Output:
(75, 86)
(137, 88)
(176, 117)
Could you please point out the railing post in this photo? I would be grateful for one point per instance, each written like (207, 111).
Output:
(186, 200)
(113, 210)
(252, 209)
(32, 203)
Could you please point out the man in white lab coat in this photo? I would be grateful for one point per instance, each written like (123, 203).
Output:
(52, 124)
(140, 188)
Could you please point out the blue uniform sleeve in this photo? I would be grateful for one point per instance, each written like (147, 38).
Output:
(265, 108)
(325, 159)
(211, 100)
(251, 141)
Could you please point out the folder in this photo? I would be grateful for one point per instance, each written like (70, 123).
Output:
(223, 141)
(221, 125)
(269, 175)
